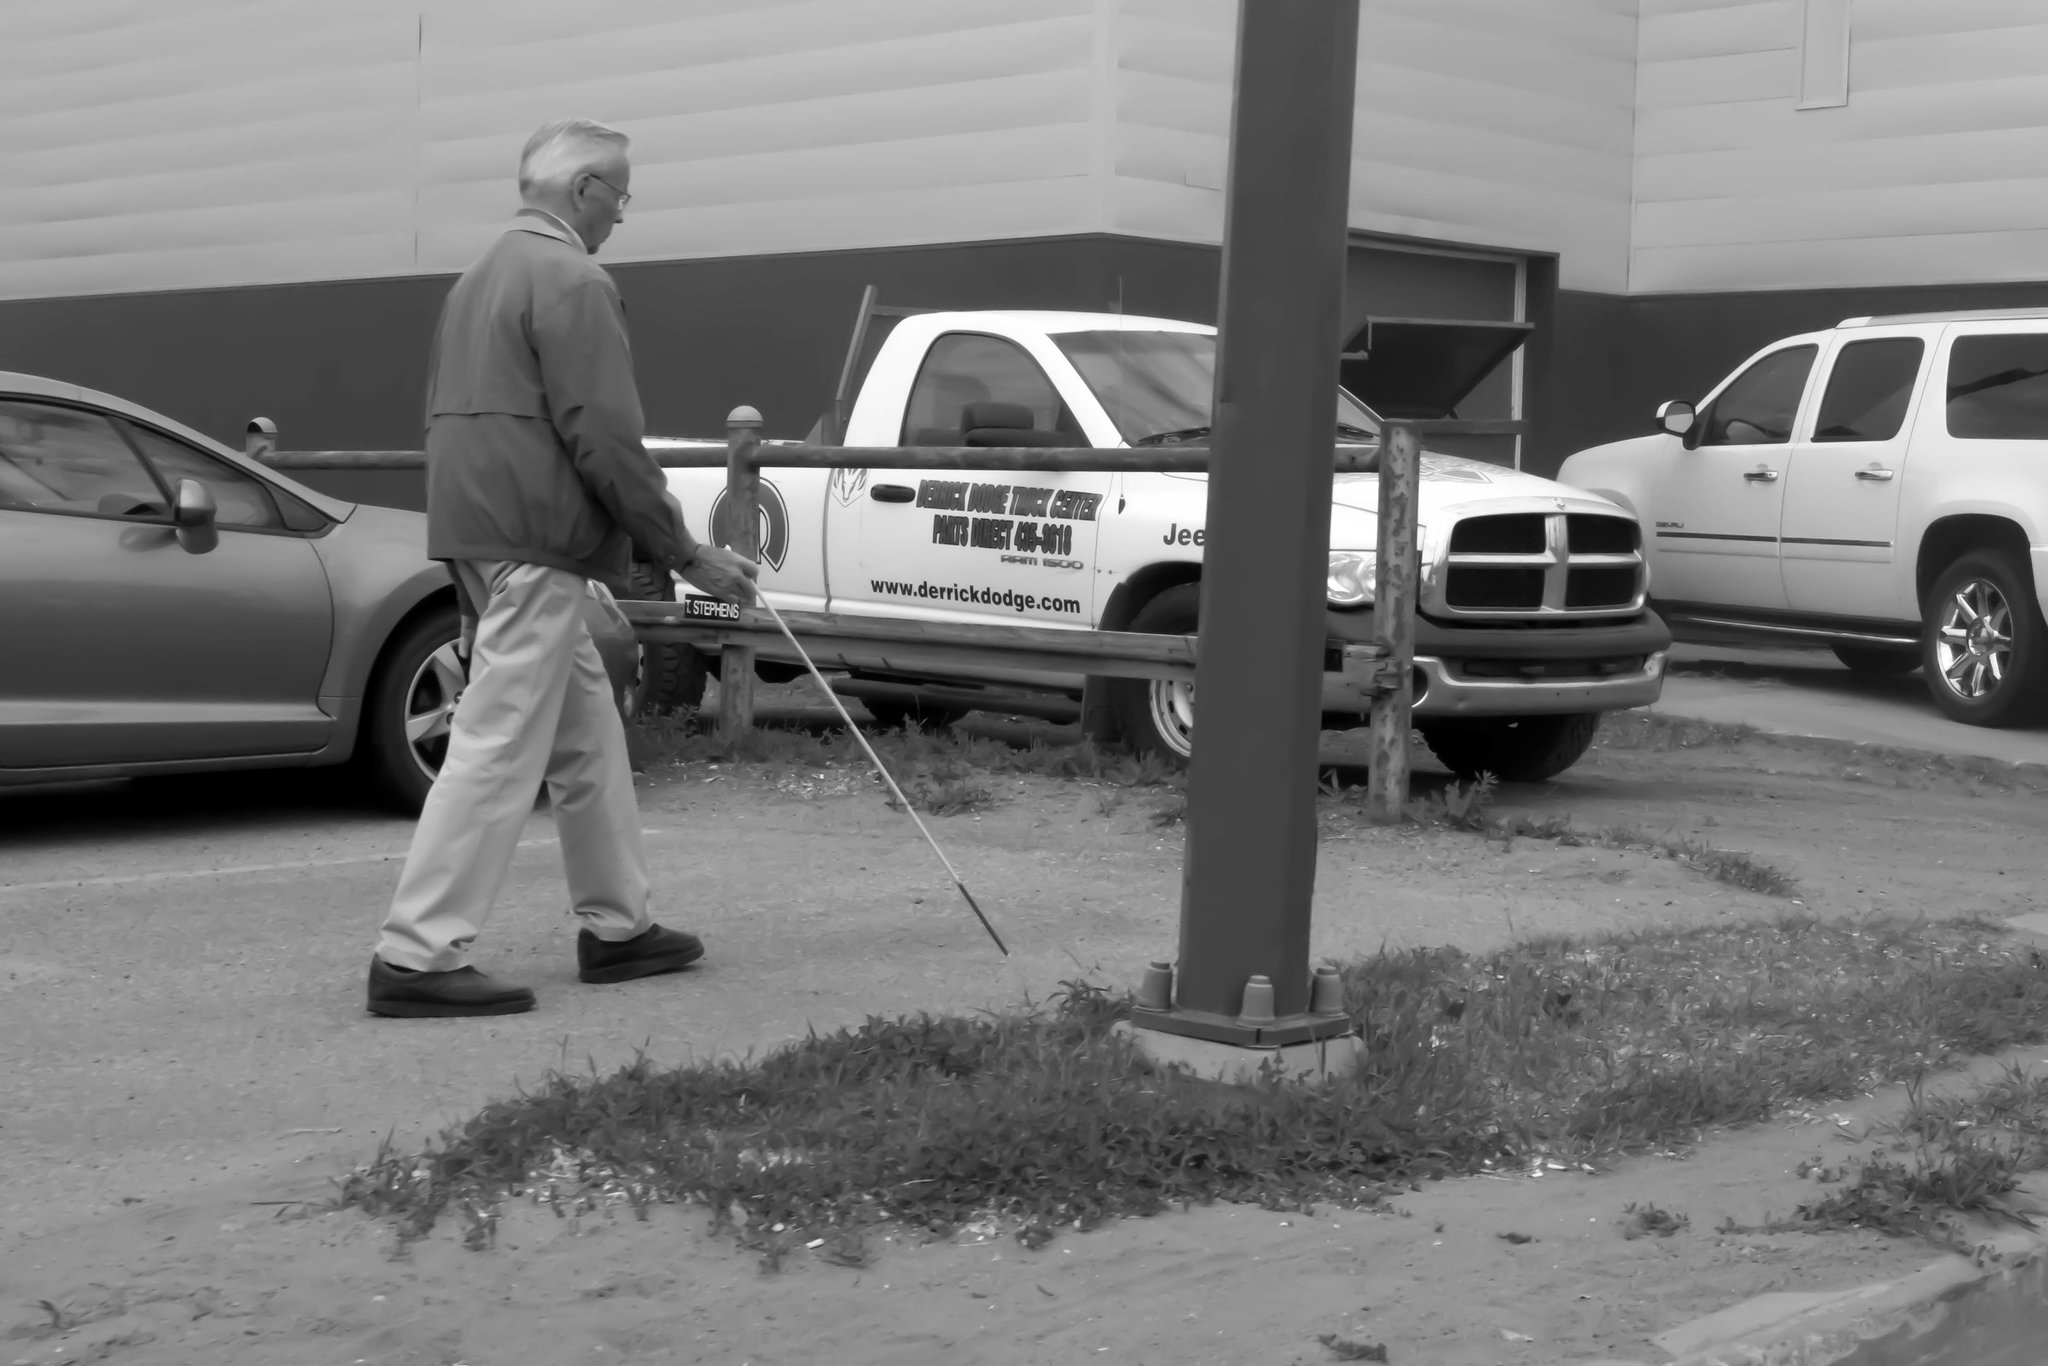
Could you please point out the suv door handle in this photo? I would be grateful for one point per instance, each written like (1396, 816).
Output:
(1760, 476)
(892, 493)
(1874, 475)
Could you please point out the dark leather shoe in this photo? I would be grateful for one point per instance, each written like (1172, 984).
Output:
(432, 995)
(656, 950)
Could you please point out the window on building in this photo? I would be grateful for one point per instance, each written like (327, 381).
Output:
(1869, 390)
(969, 368)
(1998, 387)
(1757, 407)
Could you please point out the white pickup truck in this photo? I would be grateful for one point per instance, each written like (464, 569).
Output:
(1533, 618)
(1880, 488)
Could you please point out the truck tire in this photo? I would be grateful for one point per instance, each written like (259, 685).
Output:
(672, 677)
(1983, 646)
(909, 715)
(1514, 749)
(1156, 716)
(1877, 660)
(411, 697)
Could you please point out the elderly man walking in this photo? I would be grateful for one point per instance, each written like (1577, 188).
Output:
(536, 481)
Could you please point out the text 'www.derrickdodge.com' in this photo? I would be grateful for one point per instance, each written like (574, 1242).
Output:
(983, 597)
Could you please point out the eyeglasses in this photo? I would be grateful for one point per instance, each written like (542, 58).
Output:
(624, 197)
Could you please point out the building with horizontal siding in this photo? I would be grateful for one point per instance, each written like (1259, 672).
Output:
(225, 208)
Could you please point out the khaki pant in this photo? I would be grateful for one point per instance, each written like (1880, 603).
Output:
(538, 706)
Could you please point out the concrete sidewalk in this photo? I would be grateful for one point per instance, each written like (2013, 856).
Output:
(1807, 692)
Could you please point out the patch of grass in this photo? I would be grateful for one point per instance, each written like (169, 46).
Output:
(1947, 1156)
(1468, 807)
(1852, 761)
(1655, 731)
(1048, 1118)
(1648, 1221)
(947, 761)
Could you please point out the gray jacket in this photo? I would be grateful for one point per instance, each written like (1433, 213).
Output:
(534, 425)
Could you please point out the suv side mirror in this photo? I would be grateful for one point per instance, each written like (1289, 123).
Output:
(1677, 417)
(193, 515)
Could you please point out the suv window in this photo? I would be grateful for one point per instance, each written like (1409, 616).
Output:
(1998, 387)
(56, 459)
(242, 499)
(1757, 407)
(965, 368)
(1869, 390)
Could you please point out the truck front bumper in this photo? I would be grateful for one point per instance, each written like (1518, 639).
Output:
(1514, 671)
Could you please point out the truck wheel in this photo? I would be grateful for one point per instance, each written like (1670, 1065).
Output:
(1984, 647)
(1514, 749)
(912, 715)
(671, 676)
(404, 734)
(1877, 660)
(1155, 715)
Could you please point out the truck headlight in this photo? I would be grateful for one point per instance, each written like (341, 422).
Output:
(1354, 577)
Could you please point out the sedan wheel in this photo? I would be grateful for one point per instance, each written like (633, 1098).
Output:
(406, 717)
(1986, 649)
(430, 707)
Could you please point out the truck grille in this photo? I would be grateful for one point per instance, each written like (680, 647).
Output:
(1537, 564)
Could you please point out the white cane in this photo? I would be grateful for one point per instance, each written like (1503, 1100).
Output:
(876, 760)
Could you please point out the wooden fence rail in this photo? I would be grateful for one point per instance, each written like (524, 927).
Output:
(1380, 671)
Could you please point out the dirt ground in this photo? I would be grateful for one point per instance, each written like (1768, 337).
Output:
(188, 1065)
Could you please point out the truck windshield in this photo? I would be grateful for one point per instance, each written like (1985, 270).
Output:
(1157, 386)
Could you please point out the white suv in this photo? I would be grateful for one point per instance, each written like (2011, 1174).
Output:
(1880, 488)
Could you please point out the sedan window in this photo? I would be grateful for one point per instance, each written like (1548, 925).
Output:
(1869, 390)
(1757, 407)
(241, 498)
(57, 459)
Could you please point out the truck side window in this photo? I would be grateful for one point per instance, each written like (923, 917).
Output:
(1757, 407)
(1998, 387)
(1869, 390)
(971, 369)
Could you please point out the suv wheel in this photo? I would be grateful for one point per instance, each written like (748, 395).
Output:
(1514, 749)
(1877, 659)
(1157, 716)
(1984, 646)
(671, 676)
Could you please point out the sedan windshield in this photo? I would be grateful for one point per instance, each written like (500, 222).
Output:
(1157, 386)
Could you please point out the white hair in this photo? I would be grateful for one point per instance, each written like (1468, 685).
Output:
(562, 150)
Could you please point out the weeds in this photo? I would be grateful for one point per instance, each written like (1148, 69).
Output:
(1647, 1221)
(1048, 1119)
(1947, 1156)
(1468, 807)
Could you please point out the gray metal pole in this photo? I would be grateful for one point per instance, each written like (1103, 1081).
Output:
(1251, 842)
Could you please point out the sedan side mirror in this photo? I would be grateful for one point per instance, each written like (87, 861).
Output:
(193, 515)
(1677, 417)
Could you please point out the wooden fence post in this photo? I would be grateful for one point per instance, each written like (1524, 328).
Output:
(740, 533)
(1394, 623)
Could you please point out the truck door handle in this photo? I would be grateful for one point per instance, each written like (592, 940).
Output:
(1874, 475)
(892, 493)
(1760, 476)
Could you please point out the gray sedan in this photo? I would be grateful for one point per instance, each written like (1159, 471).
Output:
(170, 606)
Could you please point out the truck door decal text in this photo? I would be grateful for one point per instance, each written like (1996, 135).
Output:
(1014, 517)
